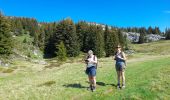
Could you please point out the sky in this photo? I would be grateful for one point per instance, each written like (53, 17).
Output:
(121, 13)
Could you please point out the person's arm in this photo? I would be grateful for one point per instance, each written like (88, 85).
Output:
(86, 62)
(114, 56)
(86, 59)
(124, 57)
(95, 61)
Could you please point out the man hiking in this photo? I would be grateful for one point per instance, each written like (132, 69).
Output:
(91, 61)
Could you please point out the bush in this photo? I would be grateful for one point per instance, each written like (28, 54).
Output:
(8, 71)
(61, 54)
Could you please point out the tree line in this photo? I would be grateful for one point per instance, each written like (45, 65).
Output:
(149, 30)
(65, 38)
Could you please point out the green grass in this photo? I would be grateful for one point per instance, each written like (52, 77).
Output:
(24, 46)
(146, 79)
(158, 47)
(7, 70)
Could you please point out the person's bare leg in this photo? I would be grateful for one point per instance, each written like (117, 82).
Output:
(94, 80)
(90, 81)
(118, 77)
(94, 83)
(123, 79)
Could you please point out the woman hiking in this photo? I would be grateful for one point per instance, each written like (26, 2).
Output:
(120, 65)
(91, 61)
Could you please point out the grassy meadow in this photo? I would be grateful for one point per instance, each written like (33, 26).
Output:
(147, 78)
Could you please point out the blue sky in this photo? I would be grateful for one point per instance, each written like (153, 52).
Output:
(121, 13)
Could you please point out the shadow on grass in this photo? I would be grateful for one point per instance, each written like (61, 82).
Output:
(104, 84)
(112, 84)
(74, 85)
(48, 83)
(101, 83)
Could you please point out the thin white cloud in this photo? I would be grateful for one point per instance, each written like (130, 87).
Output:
(167, 11)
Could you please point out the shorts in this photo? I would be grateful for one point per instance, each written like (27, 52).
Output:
(91, 71)
(120, 66)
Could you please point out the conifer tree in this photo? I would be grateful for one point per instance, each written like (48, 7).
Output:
(41, 39)
(167, 34)
(66, 32)
(142, 37)
(157, 31)
(115, 39)
(150, 30)
(5, 36)
(122, 39)
(82, 32)
(106, 32)
(111, 41)
(61, 53)
(99, 42)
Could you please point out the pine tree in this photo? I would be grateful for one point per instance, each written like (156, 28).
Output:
(109, 46)
(91, 38)
(49, 47)
(82, 32)
(61, 53)
(111, 41)
(122, 39)
(99, 42)
(34, 31)
(142, 37)
(157, 31)
(115, 39)
(16, 25)
(41, 39)
(106, 32)
(150, 30)
(167, 34)
(66, 32)
(5, 36)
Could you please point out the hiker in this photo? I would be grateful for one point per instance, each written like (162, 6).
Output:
(120, 66)
(91, 61)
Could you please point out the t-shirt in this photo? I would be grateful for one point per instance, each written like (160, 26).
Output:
(90, 64)
(118, 56)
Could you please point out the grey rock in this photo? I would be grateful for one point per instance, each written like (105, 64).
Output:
(134, 37)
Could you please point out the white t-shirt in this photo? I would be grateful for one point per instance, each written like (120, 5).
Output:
(92, 61)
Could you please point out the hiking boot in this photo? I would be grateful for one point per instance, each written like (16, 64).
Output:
(123, 86)
(90, 88)
(93, 88)
(118, 86)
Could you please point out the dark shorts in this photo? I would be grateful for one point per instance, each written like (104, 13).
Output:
(120, 66)
(91, 71)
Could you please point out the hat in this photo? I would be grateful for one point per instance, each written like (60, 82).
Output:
(118, 46)
(90, 52)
